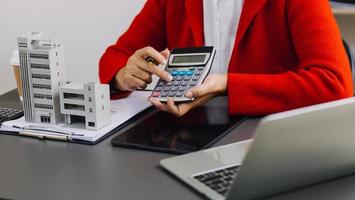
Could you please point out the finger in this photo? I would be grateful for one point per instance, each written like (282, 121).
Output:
(198, 91)
(140, 69)
(150, 80)
(141, 74)
(158, 104)
(151, 52)
(159, 72)
(172, 108)
(150, 68)
(165, 53)
(179, 110)
(159, 58)
(184, 108)
(135, 83)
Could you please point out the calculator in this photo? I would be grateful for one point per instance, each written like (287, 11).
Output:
(189, 68)
(7, 114)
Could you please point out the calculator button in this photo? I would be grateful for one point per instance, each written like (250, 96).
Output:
(182, 73)
(169, 83)
(177, 83)
(187, 78)
(167, 88)
(156, 94)
(182, 88)
(159, 88)
(195, 78)
(164, 94)
(174, 88)
(174, 73)
(172, 94)
(198, 72)
(184, 83)
(160, 83)
(179, 94)
(189, 73)
(178, 78)
(193, 83)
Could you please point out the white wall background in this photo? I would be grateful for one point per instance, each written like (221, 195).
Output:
(85, 27)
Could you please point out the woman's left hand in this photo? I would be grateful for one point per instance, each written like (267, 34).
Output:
(214, 85)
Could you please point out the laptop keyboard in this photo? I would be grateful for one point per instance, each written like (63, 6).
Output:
(219, 180)
(7, 114)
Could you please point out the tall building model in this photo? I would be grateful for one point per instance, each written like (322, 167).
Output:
(87, 104)
(42, 72)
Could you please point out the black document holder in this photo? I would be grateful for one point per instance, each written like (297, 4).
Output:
(113, 131)
(198, 129)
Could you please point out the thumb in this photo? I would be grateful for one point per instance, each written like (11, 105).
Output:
(197, 91)
(165, 53)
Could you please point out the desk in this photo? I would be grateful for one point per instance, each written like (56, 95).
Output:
(35, 169)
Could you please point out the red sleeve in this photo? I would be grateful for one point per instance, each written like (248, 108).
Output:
(322, 73)
(147, 29)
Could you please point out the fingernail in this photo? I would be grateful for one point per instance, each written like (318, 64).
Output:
(170, 78)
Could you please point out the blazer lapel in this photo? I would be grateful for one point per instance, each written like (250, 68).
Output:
(194, 11)
(250, 9)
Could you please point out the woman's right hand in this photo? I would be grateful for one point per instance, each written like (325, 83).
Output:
(137, 73)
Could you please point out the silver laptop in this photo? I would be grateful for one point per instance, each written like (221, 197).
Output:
(290, 150)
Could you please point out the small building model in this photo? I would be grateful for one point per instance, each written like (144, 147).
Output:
(87, 103)
(42, 71)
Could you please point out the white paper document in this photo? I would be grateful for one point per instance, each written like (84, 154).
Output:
(121, 111)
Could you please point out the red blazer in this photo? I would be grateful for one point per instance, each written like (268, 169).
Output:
(287, 53)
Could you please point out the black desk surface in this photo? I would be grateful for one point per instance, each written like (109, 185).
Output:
(36, 169)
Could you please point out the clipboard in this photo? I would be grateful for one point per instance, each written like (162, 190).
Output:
(123, 112)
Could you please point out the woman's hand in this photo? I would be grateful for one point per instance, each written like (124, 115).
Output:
(137, 73)
(214, 85)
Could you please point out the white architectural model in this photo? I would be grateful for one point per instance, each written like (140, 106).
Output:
(87, 103)
(42, 72)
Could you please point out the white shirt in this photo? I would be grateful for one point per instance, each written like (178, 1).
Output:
(221, 21)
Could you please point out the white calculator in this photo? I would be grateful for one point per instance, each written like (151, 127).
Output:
(189, 68)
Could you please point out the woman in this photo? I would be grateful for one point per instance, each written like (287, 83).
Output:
(274, 55)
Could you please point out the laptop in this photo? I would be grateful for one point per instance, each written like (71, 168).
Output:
(290, 150)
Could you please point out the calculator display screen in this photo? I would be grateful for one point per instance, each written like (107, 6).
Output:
(189, 59)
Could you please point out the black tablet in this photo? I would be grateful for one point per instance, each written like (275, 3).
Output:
(198, 129)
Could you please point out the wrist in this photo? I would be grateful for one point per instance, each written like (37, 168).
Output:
(117, 80)
(222, 89)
